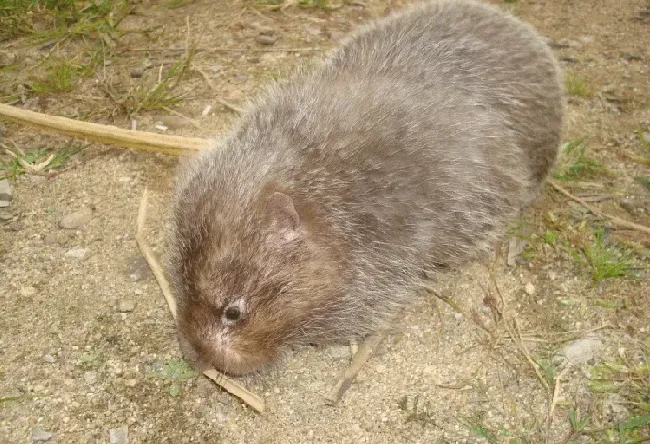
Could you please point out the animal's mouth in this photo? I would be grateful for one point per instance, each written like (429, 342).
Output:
(236, 364)
(226, 361)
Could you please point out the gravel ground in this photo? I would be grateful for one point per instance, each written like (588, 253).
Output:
(88, 349)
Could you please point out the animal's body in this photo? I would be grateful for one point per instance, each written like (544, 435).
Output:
(412, 146)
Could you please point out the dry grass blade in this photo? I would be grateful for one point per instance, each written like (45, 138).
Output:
(556, 393)
(222, 380)
(146, 141)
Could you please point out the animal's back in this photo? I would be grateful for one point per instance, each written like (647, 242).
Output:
(423, 135)
(475, 50)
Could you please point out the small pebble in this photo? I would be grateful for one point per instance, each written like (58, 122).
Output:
(627, 205)
(49, 359)
(136, 73)
(118, 436)
(77, 253)
(266, 40)
(76, 220)
(266, 30)
(5, 190)
(126, 305)
(40, 435)
(529, 289)
(646, 137)
(90, 377)
(27, 291)
(552, 275)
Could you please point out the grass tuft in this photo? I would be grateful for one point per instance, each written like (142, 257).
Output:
(576, 86)
(606, 261)
(61, 77)
(576, 164)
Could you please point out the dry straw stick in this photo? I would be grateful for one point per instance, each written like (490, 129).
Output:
(139, 140)
(222, 380)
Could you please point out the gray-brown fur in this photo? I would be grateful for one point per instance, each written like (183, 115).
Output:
(412, 146)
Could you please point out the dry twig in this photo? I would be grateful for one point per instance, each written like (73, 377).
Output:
(223, 102)
(616, 220)
(360, 358)
(222, 380)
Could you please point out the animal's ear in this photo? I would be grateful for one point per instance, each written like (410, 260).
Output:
(283, 216)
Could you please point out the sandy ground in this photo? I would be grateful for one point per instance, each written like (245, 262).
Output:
(87, 338)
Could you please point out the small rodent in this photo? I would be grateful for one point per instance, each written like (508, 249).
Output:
(411, 147)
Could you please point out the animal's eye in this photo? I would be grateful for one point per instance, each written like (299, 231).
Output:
(233, 314)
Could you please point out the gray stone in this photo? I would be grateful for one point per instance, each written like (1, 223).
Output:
(581, 350)
(50, 239)
(49, 359)
(614, 407)
(5, 190)
(137, 73)
(40, 435)
(119, 435)
(77, 253)
(646, 137)
(126, 305)
(529, 289)
(266, 40)
(77, 219)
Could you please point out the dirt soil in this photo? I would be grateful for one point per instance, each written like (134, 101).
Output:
(87, 343)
